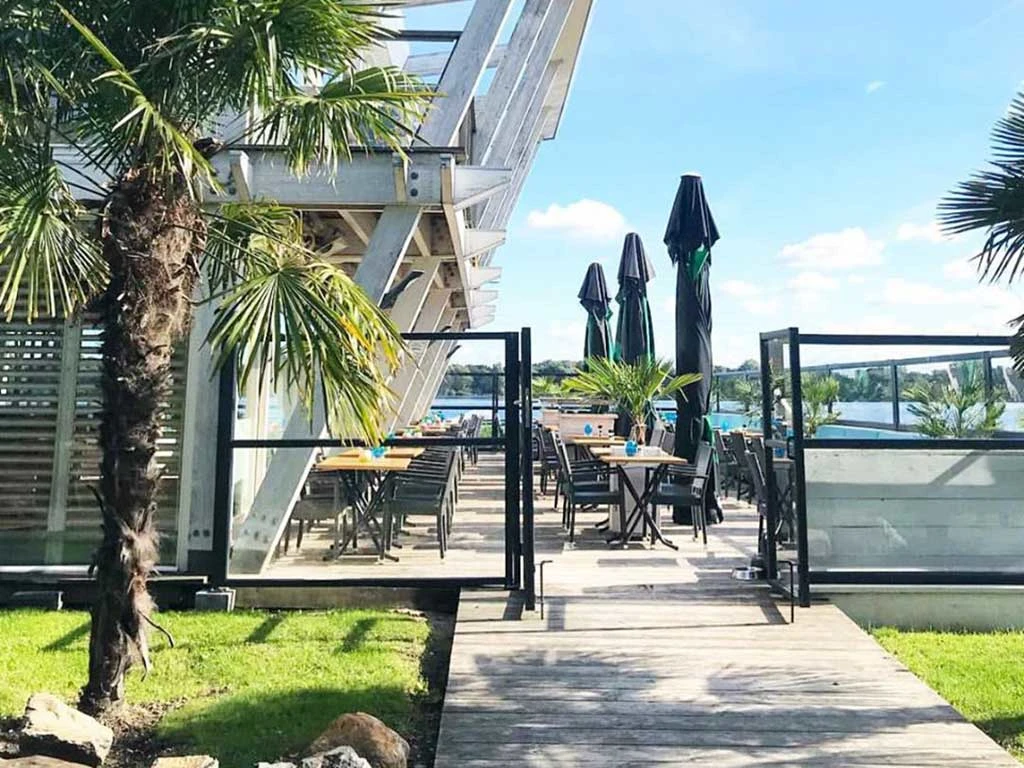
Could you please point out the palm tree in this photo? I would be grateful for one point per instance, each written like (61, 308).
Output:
(993, 200)
(966, 409)
(134, 88)
(633, 387)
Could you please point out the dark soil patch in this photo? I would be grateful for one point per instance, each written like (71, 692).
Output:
(434, 668)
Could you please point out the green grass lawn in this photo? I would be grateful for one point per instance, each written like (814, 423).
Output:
(250, 685)
(982, 675)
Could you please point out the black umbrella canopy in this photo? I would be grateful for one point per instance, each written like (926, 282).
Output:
(634, 336)
(595, 299)
(690, 235)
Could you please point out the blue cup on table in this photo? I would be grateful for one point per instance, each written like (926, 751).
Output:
(379, 452)
(588, 430)
(631, 448)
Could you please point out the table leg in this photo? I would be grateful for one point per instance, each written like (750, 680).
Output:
(643, 504)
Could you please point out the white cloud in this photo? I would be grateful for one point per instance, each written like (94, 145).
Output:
(585, 220)
(960, 269)
(761, 306)
(813, 283)
(977, 301)
(874, 85)
(740, 289)
(856, 279)
(930, 232)
(847, 249)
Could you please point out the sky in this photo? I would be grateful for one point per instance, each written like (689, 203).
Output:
(826, 133)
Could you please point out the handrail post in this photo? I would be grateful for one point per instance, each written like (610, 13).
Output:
(894, 383)
(526, 376)
(226, 405)
(798, 468)
(513, 542)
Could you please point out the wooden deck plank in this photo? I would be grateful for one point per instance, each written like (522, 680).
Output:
(653, 657)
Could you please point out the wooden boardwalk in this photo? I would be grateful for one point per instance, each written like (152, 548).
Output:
(657, 657)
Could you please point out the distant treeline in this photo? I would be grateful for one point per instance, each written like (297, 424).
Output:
(862, 385)
(467, 380)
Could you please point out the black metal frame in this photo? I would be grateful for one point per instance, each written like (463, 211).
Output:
(511, 441)
(799, 444)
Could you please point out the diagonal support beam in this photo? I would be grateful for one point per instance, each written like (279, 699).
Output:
(509, 75)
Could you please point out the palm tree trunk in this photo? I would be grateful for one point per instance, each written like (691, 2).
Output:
(151, 234)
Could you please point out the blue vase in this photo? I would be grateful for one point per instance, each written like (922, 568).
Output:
(588, 430)
(631, 448)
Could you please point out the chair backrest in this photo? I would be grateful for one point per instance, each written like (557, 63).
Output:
(702, 467)
(757, 474)
(657, 433)
(562, 452)
(738, 446)
(668, 442)
(720, 444)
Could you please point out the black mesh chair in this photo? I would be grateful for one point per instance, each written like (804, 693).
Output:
(687, 486)
(583, 483)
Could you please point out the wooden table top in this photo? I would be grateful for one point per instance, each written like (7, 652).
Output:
(357, 463)
(394, 452)
(639, 461)
(594, 439)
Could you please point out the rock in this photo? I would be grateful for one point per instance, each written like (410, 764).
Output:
(187, 761)
(340, 757)
(38, 761)
(54, 729)
(380, 746)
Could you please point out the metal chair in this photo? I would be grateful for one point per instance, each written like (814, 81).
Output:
(687, 486)
(581, 485)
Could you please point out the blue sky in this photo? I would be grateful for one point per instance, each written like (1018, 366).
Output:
(826, 133)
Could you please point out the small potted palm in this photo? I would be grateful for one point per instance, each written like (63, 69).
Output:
(631, 387)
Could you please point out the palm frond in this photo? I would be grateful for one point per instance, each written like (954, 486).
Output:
(299, 323)
(46, 255)
(631, 386)
(374, 106)
(993, 200)
(144, 130)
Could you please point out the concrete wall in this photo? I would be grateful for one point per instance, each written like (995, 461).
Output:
(915, 509)
(980, 609)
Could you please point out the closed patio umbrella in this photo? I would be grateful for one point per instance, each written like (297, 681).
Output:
(594, 297)
(634, 334)
(690, 235)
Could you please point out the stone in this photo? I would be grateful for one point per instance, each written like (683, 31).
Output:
(54, 729)
(186, 761)
(380, 746)
(340, 757)
(37, 761)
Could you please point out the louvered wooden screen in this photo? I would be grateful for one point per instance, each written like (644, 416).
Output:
(49, 417)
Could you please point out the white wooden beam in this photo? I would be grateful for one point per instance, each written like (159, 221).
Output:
(435, 364)
(463, 73)
(477, 241)
(198, 444)
(409, 380)
(64, 441)
(422, 240)
(480, 276)
(410, 302)
(471, 185)
(360, 222)
(478, 298)
(386, 249)
(509, 75)
(433, 64)
(241, 175)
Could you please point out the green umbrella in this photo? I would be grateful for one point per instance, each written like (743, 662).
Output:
(594, 297)
(634, 335)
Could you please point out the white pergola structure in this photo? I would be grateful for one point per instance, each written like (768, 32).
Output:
(417, 230)
(440, 210)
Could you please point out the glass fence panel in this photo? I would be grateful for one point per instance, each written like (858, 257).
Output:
(410, 512)
(917, 509)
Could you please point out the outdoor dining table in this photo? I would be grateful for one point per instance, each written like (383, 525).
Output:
(394, 452)
(655, 464)
(367, 482)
